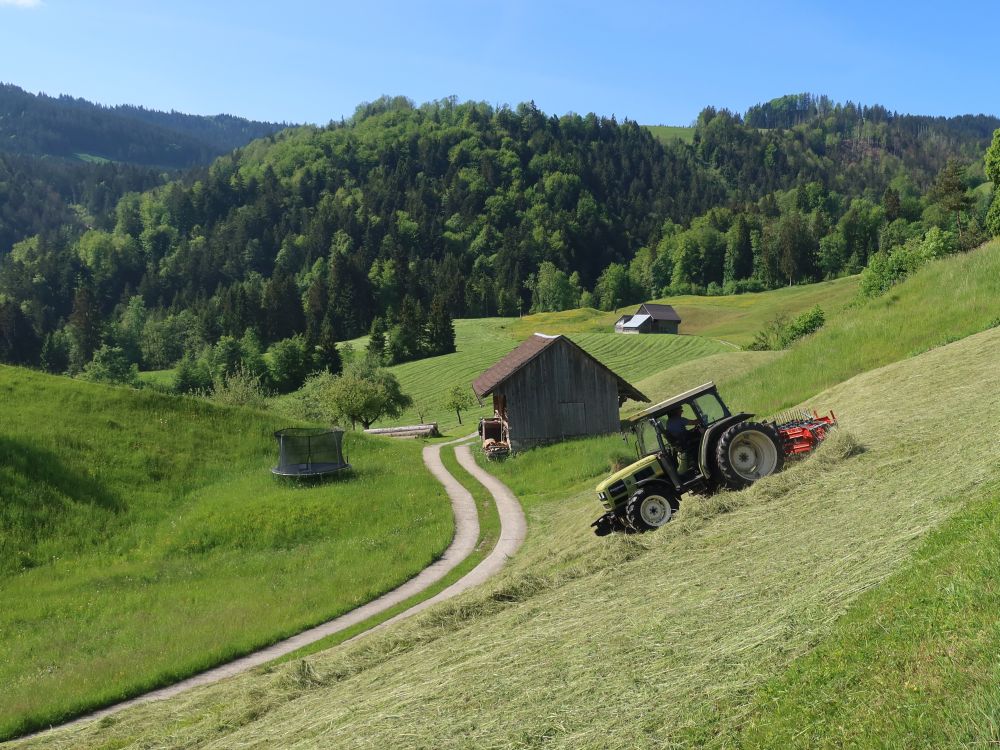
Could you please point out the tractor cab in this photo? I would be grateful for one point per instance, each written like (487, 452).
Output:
(678, 422)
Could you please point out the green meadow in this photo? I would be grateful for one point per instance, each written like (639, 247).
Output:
(943, 302)
(666, 133)
(481, 343)
(145, 539)
(845, 601)
(734, 318)
(714, 326)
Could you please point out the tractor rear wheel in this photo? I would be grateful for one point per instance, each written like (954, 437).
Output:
(649, 509)
(747, 452)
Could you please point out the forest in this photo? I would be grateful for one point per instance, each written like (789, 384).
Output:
(404, 217)
(76, 129)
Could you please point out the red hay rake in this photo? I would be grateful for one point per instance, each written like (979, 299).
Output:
(801, 431)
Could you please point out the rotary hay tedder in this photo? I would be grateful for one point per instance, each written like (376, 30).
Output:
(802, 432)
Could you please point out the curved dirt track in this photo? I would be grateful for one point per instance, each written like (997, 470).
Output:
(512, 532)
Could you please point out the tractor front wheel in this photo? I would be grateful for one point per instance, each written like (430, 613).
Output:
(747, 452)
(649, 509)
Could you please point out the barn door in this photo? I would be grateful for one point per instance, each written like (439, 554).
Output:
(572, 418)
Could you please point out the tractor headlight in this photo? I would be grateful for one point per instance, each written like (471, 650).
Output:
(602, 496)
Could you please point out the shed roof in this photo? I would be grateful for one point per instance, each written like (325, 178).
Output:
(659, 312)
(636, 321)
(527, 351)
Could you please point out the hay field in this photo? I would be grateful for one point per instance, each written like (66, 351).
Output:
(734, 318)
(483, 343)
(638, 642)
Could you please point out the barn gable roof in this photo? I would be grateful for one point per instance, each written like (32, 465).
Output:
(526, 352)
(659, 312)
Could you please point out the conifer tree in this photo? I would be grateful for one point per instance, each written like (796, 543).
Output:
(376, 341)
(440, 329)
(949, 191)
(85, 325)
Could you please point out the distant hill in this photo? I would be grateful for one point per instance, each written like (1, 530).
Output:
(79, 130)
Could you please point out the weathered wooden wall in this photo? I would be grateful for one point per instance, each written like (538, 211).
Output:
(560, 394)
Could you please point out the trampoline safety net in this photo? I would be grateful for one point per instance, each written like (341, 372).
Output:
(309, 452)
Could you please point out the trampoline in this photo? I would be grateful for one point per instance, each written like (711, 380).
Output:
(309, 452)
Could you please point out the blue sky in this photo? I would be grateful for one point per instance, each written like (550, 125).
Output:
(658, 63)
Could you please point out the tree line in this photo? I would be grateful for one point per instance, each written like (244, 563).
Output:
(398, 220)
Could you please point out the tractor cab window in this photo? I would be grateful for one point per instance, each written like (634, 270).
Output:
(646, 437)
(710, 409)
(676, 429)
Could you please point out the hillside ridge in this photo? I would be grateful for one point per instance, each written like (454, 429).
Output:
(78, 130)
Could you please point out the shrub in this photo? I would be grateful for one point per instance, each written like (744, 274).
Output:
(193, 376)
(806, 323)
(312, 402)
(239, 388)
(111, 365)
(289, 364)
(780, 333)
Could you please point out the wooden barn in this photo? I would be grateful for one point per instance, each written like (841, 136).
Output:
(549, 389)
(650, 318)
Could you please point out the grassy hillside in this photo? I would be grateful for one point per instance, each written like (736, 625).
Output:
(943, 302)
(668, 639)
(720, 367)
(913, 664)
(734, 318)
(143, 538)
(481, 342)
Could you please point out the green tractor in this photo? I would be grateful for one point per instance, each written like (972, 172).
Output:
(689, 443)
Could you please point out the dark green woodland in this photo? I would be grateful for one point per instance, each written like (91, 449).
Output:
(404, 217)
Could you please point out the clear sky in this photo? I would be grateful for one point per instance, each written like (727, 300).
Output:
(657, 63)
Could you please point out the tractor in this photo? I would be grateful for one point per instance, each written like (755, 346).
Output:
(693, 443)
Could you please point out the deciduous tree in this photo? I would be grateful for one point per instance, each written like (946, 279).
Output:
(366, 393)
(459, 398)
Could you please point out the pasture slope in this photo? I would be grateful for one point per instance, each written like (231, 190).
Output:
(143, 539)
(482, 342)
(704, 632)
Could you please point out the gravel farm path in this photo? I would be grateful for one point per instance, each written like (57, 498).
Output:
(512, 532)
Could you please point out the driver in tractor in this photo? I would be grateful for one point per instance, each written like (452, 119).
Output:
(683, 439)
